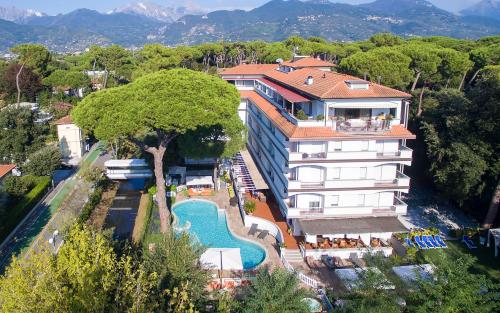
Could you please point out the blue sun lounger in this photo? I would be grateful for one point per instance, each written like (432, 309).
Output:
(409, 243)
(429, 241)
(420, 243)
(440, 241)
(468, 242)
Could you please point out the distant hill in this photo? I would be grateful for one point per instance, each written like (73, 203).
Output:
(487, 8)
(14, 14)
(275, 20)
(279, 19)
(158, 12)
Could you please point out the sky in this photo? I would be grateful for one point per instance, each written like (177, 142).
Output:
(53, 7)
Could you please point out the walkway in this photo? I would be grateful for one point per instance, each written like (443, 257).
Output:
(269, 210)
(43, 219)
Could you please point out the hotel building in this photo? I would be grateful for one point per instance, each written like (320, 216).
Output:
(331, 147)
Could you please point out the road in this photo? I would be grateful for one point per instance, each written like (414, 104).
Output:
(70, 194)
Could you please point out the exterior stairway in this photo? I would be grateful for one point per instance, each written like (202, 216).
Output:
(293, 255)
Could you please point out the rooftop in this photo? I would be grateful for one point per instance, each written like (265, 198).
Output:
(5, 169)
(331, 85)
(64, 120)
(361, 225)
(308, 62)
(318, 132)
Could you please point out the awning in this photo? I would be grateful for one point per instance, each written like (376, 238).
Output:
(285, 93)
(199, 181)
(352, 225)
(227, 258)
(411, 273)
(247, 173)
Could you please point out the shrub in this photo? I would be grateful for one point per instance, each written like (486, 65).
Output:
(94, 199)
(152, 190)
(43, 162)
(249, 206)
(29, 200)
(91, 174)
(17, 187)
(320, 117)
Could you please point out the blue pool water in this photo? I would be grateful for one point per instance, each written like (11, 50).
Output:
(203, 221)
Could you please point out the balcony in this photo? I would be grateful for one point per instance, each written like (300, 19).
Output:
(363, 125)
(346, 211)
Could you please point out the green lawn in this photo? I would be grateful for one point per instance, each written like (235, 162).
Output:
(486, 262)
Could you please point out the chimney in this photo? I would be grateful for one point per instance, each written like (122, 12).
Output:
(309, 80)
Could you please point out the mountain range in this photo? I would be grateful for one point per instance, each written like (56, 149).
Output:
(146, 22)
(486, 8)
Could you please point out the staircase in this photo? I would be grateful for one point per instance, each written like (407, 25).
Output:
(293, 255)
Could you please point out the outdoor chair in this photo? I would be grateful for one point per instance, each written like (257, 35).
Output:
(253, 229)
(420, 243)
(263, 234)
(426, 239)
(440, 241)
(409, 243)
(468, 242)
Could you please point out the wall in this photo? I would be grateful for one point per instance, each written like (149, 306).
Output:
(70, 140)
(264, 225)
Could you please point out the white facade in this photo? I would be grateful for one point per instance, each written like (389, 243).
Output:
(127, 169)
(357, 175)
(70, 140)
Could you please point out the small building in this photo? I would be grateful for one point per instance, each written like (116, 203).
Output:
(127, 169)
(6, 170)
(70, 137)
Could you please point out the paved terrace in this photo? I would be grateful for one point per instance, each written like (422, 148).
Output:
(269, 210)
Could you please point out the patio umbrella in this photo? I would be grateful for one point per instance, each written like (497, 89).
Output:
(222, 259)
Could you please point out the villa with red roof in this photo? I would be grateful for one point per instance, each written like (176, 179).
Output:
(331, 147)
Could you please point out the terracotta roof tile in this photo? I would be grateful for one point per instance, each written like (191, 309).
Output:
(308, 62)
(5, 169)
(293, 131)
(249, 69)
(332, 85)
(64, 120)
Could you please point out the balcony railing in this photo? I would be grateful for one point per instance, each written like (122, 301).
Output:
(363, 125)
(319, 155)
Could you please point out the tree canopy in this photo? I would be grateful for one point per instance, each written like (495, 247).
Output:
(168, 103)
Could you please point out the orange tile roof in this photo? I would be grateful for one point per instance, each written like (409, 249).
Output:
(332, 85)
(5, 169)
(308, 62)
(64, 120)
(293, 131)
(249, 69)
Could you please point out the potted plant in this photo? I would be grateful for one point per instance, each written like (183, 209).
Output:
(301, 115)
(320, 117)
(249, 206)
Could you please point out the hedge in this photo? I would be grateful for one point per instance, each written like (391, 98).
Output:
(24, 206)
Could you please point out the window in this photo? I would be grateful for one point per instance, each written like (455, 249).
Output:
(334, 200)
(337, 146)
(313, 204)
(333, 173)
(362, 172)
(361, 200)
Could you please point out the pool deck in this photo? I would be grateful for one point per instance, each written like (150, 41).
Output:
(235, 224)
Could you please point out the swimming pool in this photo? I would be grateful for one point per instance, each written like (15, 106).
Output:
(208, 225)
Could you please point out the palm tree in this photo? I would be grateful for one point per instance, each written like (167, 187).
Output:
(276, 292)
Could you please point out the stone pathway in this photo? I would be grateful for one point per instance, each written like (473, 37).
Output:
(426, 209)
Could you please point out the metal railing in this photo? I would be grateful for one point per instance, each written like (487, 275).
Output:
(311, 282)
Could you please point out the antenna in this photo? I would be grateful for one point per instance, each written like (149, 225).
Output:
(365, 75)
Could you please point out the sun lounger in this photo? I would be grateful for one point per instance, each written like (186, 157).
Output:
(468, 242)
(440, 241)
(429, 242)
(409, 243)
(253, 229)
(420, 243)
(263, 234)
